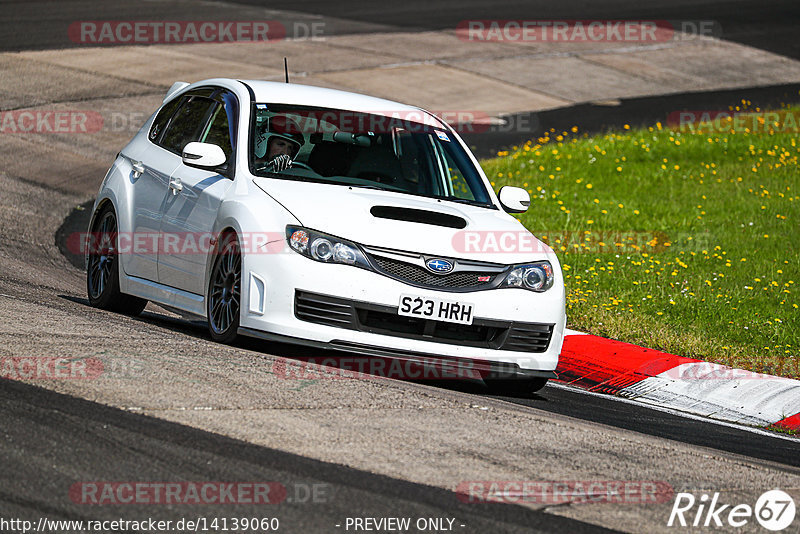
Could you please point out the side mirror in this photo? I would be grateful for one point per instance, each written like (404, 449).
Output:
(203, 155)
(514, 199)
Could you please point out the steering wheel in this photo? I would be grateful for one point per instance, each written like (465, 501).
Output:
(300, 164)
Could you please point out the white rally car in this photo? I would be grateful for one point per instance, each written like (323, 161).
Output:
(329, 219)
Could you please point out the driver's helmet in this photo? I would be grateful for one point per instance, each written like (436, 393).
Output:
(283, 127)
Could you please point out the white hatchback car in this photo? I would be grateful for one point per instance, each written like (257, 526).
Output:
(329, 219)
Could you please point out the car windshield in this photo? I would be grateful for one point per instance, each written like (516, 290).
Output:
(393, 153)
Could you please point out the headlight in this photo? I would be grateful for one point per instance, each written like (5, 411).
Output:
(324, 248)
(534, 276)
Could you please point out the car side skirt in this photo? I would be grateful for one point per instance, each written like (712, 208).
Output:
(161, 294)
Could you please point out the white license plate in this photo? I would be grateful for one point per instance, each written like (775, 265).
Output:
(437, 309)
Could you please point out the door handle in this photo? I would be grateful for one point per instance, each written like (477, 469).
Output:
(175, 185)
(138, 169)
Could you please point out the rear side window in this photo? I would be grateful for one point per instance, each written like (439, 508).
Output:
(187, 124)
(163, 117)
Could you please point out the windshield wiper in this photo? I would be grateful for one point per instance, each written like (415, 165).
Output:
(367, 187)
(467, 201)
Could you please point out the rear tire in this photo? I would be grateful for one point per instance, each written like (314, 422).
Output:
(224, 290)
(515, 386)
(102, 269)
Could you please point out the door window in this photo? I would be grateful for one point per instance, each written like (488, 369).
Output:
(187, 124)
(218, 131)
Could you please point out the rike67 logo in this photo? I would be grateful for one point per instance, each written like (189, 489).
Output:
(774, 510)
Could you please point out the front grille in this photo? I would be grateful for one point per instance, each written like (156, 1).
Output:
(381, 322)
(416, 275)
(379, 319)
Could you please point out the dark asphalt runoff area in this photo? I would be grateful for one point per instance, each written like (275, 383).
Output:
(768, 24)
(594, 118)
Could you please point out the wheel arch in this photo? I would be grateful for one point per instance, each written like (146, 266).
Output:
(99, 205)
(229, 228)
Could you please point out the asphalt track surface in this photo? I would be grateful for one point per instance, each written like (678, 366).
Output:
(663, 424)
(48, 437)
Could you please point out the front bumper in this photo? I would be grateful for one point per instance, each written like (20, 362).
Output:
(271, 284)
(443, 367)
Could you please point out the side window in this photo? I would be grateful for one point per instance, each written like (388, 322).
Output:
(163, 117)
(187, 124)
(218, 131)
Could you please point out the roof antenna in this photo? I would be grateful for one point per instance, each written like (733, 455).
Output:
(286, 69)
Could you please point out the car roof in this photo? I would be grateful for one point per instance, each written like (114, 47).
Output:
(309, 95)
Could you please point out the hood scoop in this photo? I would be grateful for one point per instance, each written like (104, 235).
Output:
(418, 216)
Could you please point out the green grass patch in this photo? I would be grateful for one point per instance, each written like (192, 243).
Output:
(683, 241)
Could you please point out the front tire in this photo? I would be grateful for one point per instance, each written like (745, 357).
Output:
(102, 269)
(224, 290)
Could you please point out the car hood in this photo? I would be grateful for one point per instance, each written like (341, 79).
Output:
(488, 235)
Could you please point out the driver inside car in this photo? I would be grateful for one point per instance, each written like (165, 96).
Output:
(279, 143)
